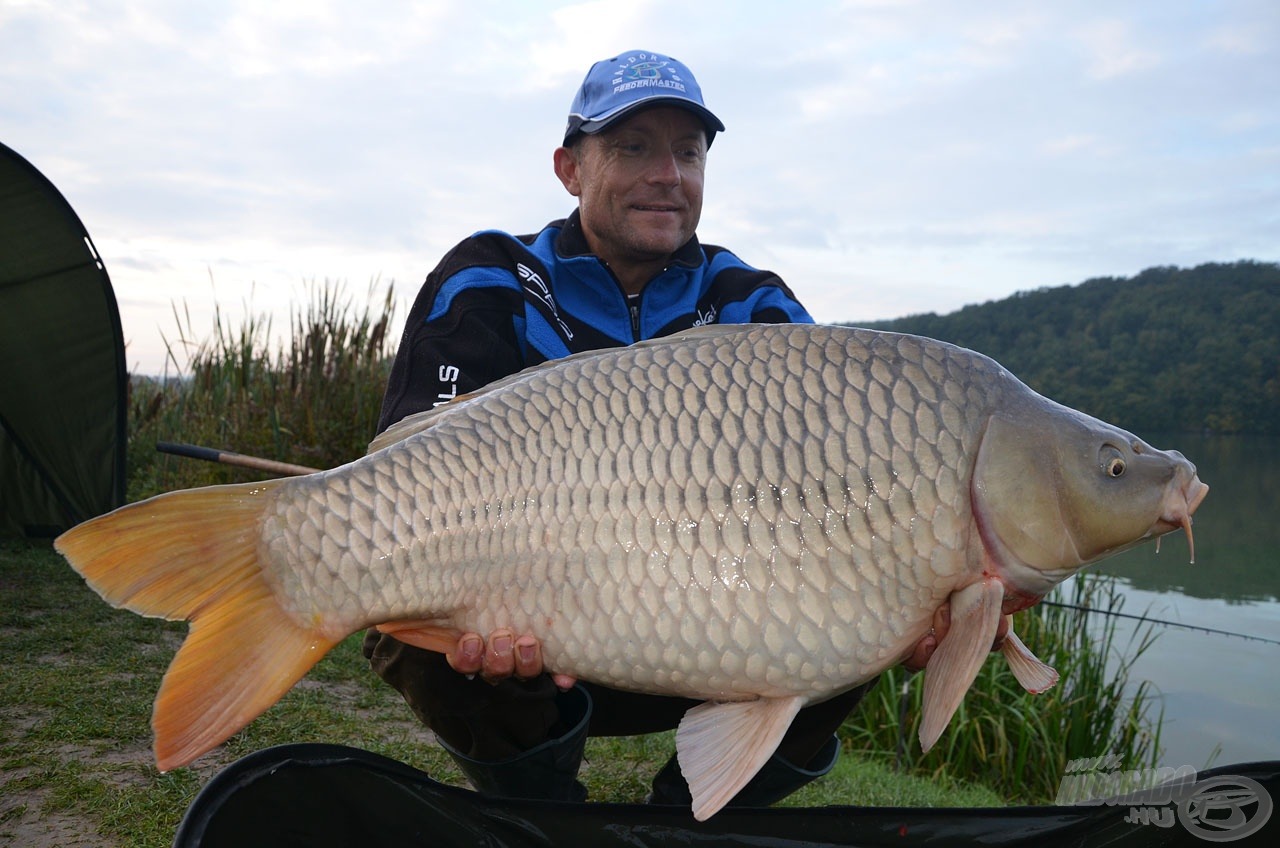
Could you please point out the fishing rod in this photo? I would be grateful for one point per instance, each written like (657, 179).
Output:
(271, 466)
(1164, 622)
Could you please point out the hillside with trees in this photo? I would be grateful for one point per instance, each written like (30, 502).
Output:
(1185, 350)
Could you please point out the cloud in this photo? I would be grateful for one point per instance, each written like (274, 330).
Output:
(1115, 50)
(885, 157)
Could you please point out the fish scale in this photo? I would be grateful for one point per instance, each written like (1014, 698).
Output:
(751, 495)
(756, 516)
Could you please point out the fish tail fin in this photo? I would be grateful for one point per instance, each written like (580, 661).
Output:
(193, 555)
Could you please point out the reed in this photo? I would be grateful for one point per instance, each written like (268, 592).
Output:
(313, 400)
(1018, 743)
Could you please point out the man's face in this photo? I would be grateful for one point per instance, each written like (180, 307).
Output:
(639, 186)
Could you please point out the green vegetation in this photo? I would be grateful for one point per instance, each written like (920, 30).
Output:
(79, 677)
(1170, 350)
(1017, 743)
(314, 402)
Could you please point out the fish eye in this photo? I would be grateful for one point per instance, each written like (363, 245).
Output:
(1112, 461)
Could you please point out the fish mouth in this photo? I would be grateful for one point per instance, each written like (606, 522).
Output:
(1179, 505)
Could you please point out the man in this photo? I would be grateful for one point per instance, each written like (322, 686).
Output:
(625, 266)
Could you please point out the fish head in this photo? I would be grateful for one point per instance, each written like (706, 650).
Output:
(1055, 490)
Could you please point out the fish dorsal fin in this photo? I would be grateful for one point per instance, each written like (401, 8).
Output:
(975, 617)
(412, 425)
(721, 746)
(418, 422)
(408, 426)
(1032, 674)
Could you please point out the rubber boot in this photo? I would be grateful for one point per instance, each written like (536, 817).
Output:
(777, 779)
(547, 772)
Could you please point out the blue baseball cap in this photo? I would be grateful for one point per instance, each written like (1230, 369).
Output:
(617, 87)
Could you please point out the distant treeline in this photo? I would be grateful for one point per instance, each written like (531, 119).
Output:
(1185, 350)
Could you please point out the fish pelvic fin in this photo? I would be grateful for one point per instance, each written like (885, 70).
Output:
(423, 633)
(975, 617)
(1032, 673)
(193, 555)
(721, 746)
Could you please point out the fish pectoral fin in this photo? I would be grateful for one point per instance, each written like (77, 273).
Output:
(975, 617)
(1032, 674)
(721, 745)
(428, 635)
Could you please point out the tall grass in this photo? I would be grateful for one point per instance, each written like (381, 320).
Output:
(312, 401)
(1017, 743)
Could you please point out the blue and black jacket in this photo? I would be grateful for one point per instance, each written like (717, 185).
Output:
(498, 303)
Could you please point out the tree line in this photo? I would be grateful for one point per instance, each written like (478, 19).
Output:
(1168, 350)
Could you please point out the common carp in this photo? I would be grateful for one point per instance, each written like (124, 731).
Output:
(758, 516)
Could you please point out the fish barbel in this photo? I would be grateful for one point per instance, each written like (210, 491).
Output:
(758, 516)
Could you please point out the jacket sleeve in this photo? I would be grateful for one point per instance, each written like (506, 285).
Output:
(746, 295)
(775, 304)
(763, 299)
(461, 334)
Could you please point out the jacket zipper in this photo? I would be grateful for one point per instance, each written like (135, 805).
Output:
(633, 304)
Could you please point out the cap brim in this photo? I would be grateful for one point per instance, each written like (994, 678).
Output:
(578, 124)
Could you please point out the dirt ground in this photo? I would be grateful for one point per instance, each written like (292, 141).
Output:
(26, 820)
(25, 824)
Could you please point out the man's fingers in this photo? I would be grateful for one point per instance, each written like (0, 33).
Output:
(528, 657)
(468, 657)
(920, 654)
(499, 660)
(924, 649)
(501, 656)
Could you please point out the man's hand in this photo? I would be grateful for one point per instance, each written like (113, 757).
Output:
(941, 624)
(502, 656)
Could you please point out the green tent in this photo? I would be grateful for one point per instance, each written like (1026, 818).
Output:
(62, 393)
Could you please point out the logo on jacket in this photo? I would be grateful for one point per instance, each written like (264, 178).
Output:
(538, 289)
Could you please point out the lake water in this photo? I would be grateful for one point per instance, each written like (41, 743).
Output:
(1218, 692)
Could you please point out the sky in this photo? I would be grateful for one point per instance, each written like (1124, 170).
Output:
(885, 158)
